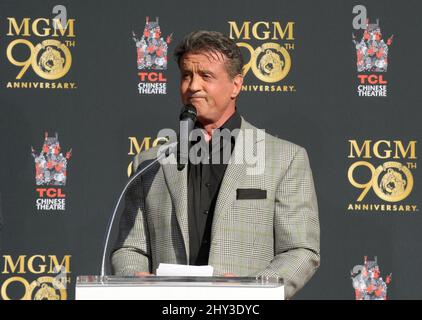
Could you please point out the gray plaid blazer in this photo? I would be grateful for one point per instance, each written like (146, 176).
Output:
(276, 236)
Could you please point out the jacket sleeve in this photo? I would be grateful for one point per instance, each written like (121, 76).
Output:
(132, 250)
(296, 227)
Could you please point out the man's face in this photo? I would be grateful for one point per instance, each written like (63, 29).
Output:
(206, 84)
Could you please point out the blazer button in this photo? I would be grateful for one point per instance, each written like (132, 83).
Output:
(208, 184)
(206, 212)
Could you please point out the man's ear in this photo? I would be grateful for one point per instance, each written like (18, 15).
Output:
(237, 82)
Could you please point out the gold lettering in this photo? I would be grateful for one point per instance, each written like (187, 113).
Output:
(42, 267)
(288, 29)
(69, 27)
(134, 144)
(8, 261)
(35, 27)
(59, 29)
(400, 147)
(24, 25)
(365, 146)
(55, 266)
(265, 33)
(238, 33)
(25, 283)
(387, 153)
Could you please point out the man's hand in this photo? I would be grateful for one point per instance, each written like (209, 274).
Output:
(229, 275)
(143, 274)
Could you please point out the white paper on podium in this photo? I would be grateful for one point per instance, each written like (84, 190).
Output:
(181, 270)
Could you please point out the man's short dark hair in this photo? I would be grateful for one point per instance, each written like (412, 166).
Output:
(214, 42)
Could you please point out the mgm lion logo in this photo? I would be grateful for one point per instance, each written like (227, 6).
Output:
(48, 288)
(269, 63)
(392, 181)
(51, 59)
(46, 293)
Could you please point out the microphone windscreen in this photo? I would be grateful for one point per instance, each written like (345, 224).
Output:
(188, 112)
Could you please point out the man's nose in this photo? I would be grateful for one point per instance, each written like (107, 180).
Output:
(195, 83)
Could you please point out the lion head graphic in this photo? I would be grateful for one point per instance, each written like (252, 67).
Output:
(392, 183)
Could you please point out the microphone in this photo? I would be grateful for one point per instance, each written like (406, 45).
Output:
(187, 119)
(188, 112)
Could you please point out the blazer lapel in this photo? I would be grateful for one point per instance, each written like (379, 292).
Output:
(177, 185)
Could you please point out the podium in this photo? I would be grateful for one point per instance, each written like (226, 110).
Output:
(178, 288)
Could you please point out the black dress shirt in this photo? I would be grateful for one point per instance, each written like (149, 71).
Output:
(204, 181)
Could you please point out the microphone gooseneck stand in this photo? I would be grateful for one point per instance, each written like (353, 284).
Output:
(171, 149)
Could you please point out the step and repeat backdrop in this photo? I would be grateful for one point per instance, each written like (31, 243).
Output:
(85, 86)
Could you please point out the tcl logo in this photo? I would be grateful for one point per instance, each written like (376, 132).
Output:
(152, 76)
(371, 79)
(50, 193)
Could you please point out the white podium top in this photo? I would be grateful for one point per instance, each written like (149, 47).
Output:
(178, 288)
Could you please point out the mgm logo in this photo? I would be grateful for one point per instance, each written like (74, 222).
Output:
(386, 168)
(41, 44)
(268, 45)
(51, 285)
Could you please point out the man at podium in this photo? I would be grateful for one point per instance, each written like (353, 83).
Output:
(243, 222)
